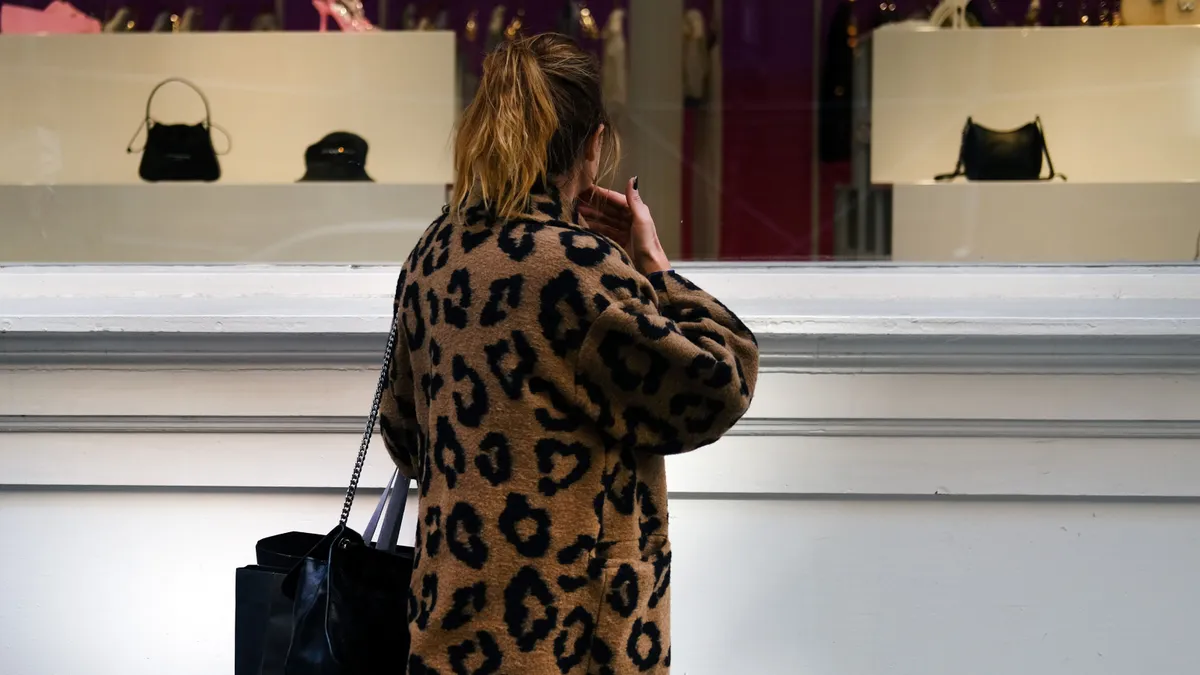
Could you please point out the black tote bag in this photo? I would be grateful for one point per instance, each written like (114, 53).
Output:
(347, 597)
(263, 619)
(263, 615)
(988, 155)
(178, 152)
(350, 601)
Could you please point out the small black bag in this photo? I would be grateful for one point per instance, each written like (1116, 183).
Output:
(178, 152)
(349, 597)
(987, 154)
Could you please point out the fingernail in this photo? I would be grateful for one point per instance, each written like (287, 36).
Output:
(635, 182)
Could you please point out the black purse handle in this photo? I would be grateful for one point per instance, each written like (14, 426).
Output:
(962, 144)
(371, 419)
(395, 504)
(208, 123)
(190, 85)
(1046, 151)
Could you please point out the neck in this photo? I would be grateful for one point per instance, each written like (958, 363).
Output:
(569, 189)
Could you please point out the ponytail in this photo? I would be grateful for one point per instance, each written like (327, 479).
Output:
(537, 105)
(501, 146)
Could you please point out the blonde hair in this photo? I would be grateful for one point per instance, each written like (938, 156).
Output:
(538, 105)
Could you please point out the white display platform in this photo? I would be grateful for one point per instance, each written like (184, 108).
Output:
(72, 102)
(1118, 104)
(1045, 222)
(190, 222)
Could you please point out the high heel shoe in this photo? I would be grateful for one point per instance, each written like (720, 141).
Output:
(122, 21)
(189, 21)
(348, 14)
(66, 10)
(58, 17)
(162, 23)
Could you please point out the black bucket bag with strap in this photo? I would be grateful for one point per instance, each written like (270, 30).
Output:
(178, 152)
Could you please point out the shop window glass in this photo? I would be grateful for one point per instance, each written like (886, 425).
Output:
(980, 131)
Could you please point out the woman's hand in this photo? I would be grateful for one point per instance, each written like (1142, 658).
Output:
(605, 212)
(625, 219)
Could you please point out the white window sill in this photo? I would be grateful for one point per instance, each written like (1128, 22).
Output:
(865, 318)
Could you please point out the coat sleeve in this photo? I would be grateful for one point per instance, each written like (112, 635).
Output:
(667, 369)
(397, 408)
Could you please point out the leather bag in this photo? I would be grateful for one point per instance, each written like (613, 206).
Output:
(178, 152)
(350, 597)
(989, 155)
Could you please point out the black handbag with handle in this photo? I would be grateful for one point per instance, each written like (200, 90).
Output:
(350, 597)
(178, 152)
(333, 604)
(266, 615)
(987, 154)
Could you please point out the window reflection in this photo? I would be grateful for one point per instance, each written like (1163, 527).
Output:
(319, 130)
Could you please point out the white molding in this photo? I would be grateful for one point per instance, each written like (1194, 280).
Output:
(256, 392)
(808, 467)
(896, 352)
(809, 318)
(787, 427)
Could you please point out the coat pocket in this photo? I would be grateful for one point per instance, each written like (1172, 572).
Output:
(633, 630)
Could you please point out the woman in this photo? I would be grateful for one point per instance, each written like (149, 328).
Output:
(548, 360)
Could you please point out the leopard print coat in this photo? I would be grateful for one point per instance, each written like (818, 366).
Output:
(538, 383)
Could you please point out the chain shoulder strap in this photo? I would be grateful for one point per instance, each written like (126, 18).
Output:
(371, 419)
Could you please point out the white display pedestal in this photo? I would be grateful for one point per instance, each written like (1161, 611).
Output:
(1119, 105)
(72, 102)
(218, 223)
(1049, 222)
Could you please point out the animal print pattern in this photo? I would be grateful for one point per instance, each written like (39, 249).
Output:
(538, 382)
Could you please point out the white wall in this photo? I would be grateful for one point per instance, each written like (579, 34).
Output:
(221, 223)
(73, 102)
(1049, 222)
(1119, 110)
(69, 191)
(1120, 105)
(944, 471)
